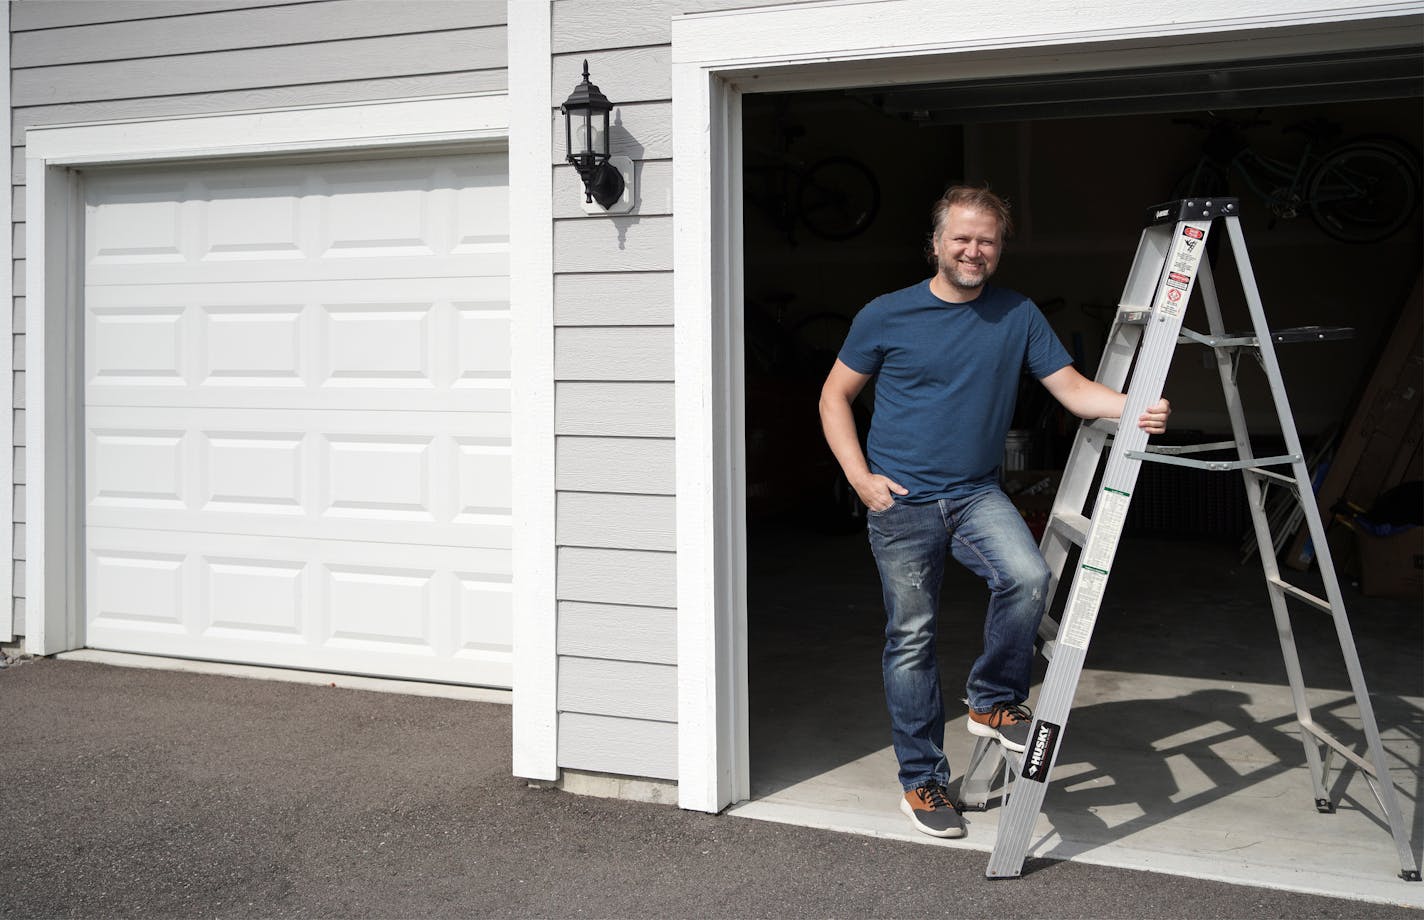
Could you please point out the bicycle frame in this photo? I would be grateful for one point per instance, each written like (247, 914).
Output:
(1282, 200)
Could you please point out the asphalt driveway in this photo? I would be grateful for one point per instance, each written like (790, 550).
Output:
(146, 793)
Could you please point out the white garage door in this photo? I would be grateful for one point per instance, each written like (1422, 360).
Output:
(297, 415)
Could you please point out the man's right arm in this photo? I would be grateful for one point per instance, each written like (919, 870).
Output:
(838, 422)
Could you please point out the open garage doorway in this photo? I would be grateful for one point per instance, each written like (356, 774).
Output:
(1183, 714)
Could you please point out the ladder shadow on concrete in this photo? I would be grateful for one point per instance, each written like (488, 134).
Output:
(1191, 735)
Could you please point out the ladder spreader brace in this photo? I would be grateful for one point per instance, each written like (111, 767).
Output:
(1146, 330)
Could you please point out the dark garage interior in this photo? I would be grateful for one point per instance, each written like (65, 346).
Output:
(1080, 160)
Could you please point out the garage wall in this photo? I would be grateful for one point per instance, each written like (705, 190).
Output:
(613, 367)
(97, 60)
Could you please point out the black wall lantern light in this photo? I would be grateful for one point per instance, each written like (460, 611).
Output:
(606, 179)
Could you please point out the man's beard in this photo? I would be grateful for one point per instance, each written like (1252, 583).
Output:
(951, 270)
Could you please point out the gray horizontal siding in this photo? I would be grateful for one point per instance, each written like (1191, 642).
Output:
(592, 25)
(613, 353)
(633, 465)
(624, 299)
(100, 60)
(618, 632)
(626, 75)
(635, 244)
(605, 744)
(616, 576)
(617, 521)
(629, 689)
(51, 14)
(623, 410)
(254, 27)
(312, 62)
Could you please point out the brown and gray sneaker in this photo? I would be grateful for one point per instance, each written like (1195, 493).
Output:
(931, 812)
(1006, 723)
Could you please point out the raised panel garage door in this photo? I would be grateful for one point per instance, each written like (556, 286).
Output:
(296, 428)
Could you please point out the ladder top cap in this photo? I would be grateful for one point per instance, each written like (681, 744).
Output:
(1171, 212)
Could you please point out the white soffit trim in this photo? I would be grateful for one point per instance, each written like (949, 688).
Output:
(841, 43)
(52, 577)
(870, 29)
(531, 286)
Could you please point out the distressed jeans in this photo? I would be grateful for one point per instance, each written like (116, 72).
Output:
(987, 535)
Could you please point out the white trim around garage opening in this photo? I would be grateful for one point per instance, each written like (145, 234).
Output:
(7, 359)
(718, 55)
(531, 282)
(53, 385)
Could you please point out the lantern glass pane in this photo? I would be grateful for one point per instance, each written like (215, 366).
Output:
(596, 143)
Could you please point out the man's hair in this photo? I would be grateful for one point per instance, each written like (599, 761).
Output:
(975, 197)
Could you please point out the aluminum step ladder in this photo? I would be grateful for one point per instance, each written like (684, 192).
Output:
(1145, 333)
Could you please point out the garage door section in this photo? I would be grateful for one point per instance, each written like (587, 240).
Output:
(297, 421)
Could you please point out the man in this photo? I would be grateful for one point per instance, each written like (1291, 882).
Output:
(947, 354)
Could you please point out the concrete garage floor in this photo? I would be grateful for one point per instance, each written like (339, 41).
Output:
(1181, 756)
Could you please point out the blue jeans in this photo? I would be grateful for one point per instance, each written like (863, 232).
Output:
(987, 535)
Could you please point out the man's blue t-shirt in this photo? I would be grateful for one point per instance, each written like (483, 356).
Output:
(947, 375)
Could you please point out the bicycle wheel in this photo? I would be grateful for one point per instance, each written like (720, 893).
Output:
(838, 198)
(1364, 191)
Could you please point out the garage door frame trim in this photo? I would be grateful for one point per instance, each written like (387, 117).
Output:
(53, 384)
(718, 55)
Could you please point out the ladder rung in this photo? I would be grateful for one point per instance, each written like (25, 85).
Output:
(1073, 526)
(1107, 426)
(1175, 449)
(1310, 726)
(1134, 316)
(1215, 466)
(1300, 595)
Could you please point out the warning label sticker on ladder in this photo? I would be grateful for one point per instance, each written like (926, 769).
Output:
(1186, 255)
(1083, 607)
(1109, 518)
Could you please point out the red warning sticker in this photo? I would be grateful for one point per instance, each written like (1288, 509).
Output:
(1180, 278)
(1174, 295)
(1193, 232)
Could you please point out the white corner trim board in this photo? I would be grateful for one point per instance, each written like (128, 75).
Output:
(52, 381)
(718, 55)
(7, 366)
(531, 288)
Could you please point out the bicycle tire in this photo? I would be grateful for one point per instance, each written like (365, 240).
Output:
(838, 198)
(1364, 191)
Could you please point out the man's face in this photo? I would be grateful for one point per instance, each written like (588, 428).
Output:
(967, 247)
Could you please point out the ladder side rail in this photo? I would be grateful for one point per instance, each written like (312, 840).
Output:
(1085, 456)
(1409, 867)
(1082, 466)
(1289, 652)
(1159, 341)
